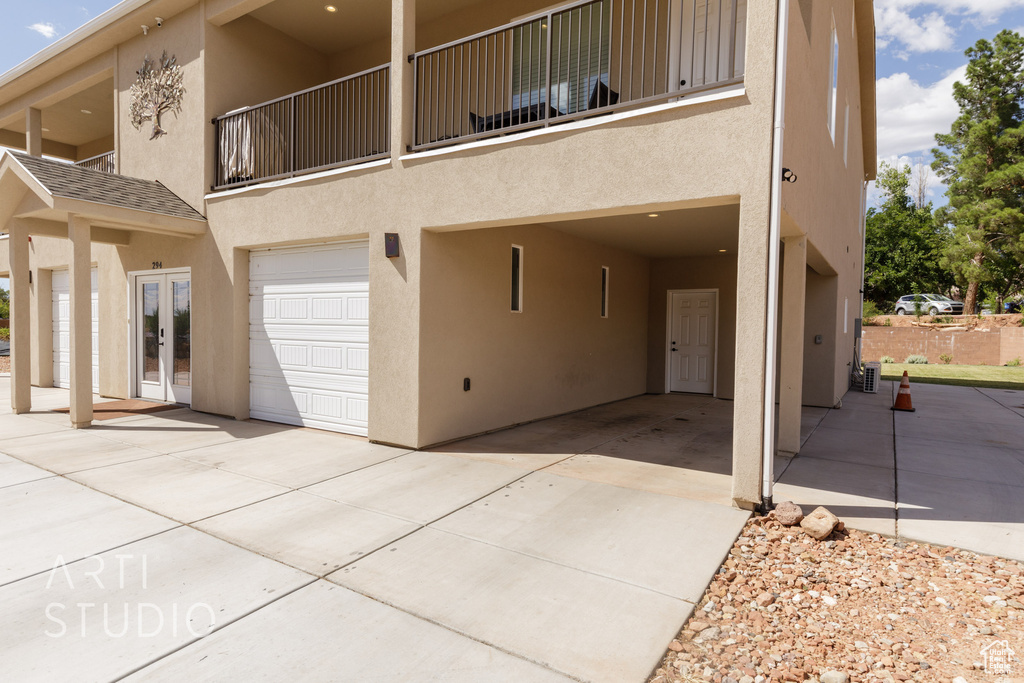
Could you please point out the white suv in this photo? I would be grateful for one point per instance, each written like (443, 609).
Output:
(931, 304)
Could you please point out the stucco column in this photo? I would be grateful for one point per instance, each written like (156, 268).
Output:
(21, 360)
(791, 368)
(80, 275)
(403, 44)
(751, 328)
(34, 132)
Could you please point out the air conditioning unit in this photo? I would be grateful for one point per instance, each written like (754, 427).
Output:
(872, 373)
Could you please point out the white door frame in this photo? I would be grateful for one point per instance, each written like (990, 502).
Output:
(668, 333)
(133, 322)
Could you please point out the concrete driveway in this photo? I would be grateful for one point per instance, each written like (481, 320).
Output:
(179, 545)
(310, 555)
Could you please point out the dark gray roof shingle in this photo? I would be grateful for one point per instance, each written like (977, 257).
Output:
(75, 182)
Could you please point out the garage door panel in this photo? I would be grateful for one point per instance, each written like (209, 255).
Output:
(309, 336)
(269, 358)
(61, 320)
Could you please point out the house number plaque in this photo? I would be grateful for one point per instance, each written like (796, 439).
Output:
(157, 265)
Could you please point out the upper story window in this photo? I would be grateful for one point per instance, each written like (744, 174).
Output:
(833, 85)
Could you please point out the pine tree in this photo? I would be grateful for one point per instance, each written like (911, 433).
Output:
(981, 161)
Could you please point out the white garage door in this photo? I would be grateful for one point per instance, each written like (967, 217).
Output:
(309, 336)
(62, 330)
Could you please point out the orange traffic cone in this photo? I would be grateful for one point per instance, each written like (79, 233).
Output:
(903, 397)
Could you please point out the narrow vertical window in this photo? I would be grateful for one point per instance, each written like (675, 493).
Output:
(517, 279)
(846, 315)
(833, 82)
(604, 291)
(846, 136)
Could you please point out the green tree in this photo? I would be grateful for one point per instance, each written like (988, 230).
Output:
(5, 304)
(904, 244)
(981, 160)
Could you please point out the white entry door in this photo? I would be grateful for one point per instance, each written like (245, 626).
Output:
(163, 337)
(309, 336)
(692, 341)
(61, 299)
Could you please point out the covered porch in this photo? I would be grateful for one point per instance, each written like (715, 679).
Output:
(58, 200)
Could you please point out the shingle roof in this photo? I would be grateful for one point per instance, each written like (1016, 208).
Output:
(74, 182)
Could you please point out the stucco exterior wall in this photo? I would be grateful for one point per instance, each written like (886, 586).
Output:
(557, 354)
(826, 201)
(178, 159)
(702, 273)
(458, 210)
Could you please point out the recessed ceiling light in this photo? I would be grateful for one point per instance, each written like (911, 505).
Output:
(652, 215)
(330, 8)
(86, 111)
(46, 130)
(721, 251)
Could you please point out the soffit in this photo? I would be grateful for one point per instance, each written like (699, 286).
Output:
(356, 22)
(685, 232)
(68, 125)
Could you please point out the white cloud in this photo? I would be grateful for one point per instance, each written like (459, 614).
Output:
(979, 11)
(910, 114)
(929, 33)
(46, 30)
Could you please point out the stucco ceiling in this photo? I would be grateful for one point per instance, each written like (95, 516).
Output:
(66, 122)
(686, 232)
(356, 22)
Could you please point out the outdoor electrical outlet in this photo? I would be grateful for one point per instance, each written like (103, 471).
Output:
(465, 384)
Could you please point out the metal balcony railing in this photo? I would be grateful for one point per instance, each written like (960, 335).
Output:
(592, 57)
(344, 122)
(100, 162)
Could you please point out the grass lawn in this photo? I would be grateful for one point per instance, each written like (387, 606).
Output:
(992, 376)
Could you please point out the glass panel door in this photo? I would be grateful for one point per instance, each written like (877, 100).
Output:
(163, 337)
(181, 346)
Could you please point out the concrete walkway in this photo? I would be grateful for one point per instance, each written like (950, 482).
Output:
(950, 473)
(568, 549)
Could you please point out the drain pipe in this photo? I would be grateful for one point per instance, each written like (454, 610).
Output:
(774, 237)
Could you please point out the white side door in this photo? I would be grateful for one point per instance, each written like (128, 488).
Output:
(61, 301)
(163, 337)
(692, 341)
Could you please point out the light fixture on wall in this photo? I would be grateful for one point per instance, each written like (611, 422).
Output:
(391, 244)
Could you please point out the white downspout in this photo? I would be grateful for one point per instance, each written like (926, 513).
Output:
(774, 237)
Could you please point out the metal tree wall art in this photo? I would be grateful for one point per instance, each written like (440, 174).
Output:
(157, 90)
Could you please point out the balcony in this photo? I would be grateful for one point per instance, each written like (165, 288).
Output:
(341, 123)
(587, 59)
(101, 162)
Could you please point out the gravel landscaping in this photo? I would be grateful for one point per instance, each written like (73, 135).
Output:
(5, 364)
(854, 607)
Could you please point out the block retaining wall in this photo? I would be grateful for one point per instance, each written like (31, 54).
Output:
(989, 347)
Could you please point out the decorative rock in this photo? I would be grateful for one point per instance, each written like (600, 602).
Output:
(819, 524)
(765, 599)
(711, 633)
(834, 677)
(788, 513)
